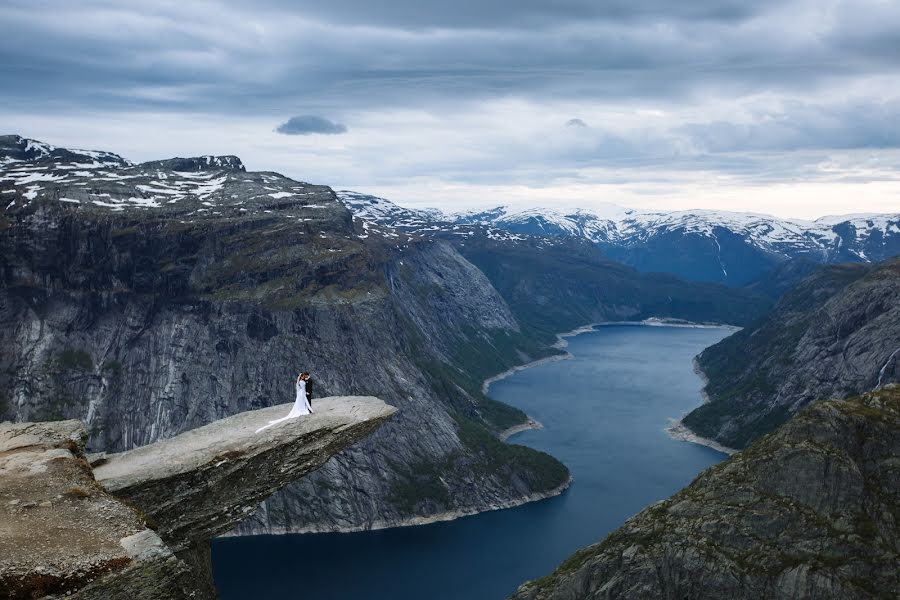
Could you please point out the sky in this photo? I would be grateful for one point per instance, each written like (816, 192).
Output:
(788, 107)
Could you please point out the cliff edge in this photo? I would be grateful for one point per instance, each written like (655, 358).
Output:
(137, 524)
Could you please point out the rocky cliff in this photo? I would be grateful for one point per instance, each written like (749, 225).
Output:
(810, 511)
(138, 524)
(147, 301)
(834, 334)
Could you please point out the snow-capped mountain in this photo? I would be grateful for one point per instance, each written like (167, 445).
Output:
(705, 245)
(196, 188)
(701, 245)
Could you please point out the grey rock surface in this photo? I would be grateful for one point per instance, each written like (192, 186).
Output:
(62, 534)
(810, 511)
(205, 481)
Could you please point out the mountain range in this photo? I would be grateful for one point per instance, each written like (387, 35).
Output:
(149, 299)
(699, 245)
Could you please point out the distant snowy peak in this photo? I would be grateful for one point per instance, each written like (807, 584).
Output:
(622, 226)
(380, 211)
(384, 212)
(16, 149)
(703, 245)
(630, 226)
(32, 171)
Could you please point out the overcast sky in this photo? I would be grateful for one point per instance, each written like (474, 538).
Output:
(783, 107)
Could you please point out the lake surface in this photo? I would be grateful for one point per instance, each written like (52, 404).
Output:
(604, 414)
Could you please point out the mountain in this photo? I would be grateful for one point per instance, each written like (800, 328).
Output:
(785, 275)
(699, 245)
(835, 334)
(810, 511)
(556, 283)
(146, 301)
(150, 299)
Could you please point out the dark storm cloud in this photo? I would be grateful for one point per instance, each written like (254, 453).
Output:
(850, 125)
(357, 56)
(503, 13)
(309, 124)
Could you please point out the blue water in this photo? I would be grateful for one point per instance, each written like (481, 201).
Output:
(604, 414)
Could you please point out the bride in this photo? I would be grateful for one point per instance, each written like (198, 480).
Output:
(301, 404)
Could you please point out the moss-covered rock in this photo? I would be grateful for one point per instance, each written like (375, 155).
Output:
(809, 511)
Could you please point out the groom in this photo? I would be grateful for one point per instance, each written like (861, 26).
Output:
(305, 377)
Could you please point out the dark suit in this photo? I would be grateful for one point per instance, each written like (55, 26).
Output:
(309, 390)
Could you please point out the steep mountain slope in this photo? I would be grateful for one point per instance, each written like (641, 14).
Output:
(775, 282)
(563, 284)
(147, 300)
(835, 334)
(700, 245)
(556, 283)
(811, 511)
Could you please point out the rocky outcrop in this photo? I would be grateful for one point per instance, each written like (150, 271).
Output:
(62, 533)
(834, 334)
(205, 481)
(138, 525)
(811, 511)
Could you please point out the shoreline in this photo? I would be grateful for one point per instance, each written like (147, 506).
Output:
(526, 426)
(562, 343)
(451, 515)
(681, 432)
(559, 344)
(677, 430)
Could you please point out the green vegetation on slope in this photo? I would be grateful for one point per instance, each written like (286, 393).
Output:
(747, 370)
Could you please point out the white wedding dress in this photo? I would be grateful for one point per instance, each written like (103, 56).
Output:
(301, 407)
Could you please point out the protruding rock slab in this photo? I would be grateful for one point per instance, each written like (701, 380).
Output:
(203, 482)
(810, 511)
(61, 533)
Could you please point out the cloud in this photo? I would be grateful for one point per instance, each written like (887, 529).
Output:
(309, 124)
(472, 92)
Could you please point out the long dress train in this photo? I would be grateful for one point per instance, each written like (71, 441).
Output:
(301, 407)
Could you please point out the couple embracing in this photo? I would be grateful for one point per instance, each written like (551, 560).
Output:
(302, 404)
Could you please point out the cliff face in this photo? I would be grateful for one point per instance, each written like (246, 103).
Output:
(834, 334)
(811, 511)
(147, 301)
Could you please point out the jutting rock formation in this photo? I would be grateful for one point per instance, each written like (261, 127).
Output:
(137, 525)
(810, 511)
